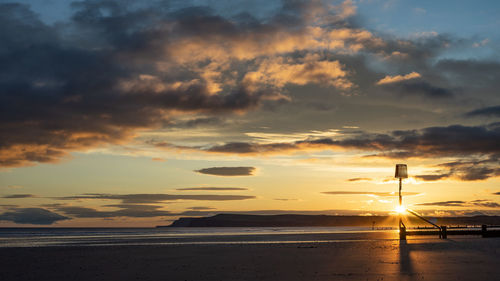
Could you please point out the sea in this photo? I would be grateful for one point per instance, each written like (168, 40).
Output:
(64, 237)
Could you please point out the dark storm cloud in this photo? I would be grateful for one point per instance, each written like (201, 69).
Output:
(32, 216)
(156, 198)
(18, 196)
(491, 111)
(228, 171)
(212, 188)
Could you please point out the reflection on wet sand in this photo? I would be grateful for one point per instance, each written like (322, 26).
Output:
(405, 262)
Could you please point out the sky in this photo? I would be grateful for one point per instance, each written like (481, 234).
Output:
(136, 113)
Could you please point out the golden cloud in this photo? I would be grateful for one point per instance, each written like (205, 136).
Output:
(398, 78)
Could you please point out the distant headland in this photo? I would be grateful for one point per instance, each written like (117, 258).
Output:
(240, 220)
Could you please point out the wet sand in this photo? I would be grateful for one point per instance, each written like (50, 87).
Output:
(417, 259)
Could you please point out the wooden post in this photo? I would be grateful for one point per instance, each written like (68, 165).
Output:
(401, 172)
(443, 230)
(402, 232)
(402, 227)
(484, 230)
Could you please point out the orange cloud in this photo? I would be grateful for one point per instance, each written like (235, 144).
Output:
(398, 78)
(280, 71)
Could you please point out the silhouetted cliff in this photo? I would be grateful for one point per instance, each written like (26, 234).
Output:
(235, 220)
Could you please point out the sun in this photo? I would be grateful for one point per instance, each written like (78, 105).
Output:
(400, 209)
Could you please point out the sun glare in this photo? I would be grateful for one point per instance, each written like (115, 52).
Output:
(400, 209)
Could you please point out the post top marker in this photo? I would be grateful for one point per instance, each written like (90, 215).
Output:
(401, 171)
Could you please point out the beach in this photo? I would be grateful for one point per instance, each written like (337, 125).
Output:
(367, 257)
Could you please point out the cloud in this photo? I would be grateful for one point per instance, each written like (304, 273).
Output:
(32, 216)
(9, 206)
(281, 71)
(433, 142)
(479, 203)
(486, 203)
(476, 146)
(201, 208)
(457, 213)
(161, 62)
(466, 170)
(418, 88)
(476, 75)
(282, 212)
(212, 188)
(434, 177)
(126, 210)
(479, 173)
(99, 78)
(286, 199)
(83, 212)
(398, 78)
(359, 179)
(197, 122)
(228, 171)
(18, 196)
(444, 204)
(252, 148)
(481, 43)
(155, 198)
(158, 159)
(497, 193)
(491, 111)
(370, 193)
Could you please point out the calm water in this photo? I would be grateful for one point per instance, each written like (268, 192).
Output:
(42, 237)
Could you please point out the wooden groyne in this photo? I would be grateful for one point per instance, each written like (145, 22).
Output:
(444, 231)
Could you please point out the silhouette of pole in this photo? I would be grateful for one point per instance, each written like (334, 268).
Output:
(401, 172)
(402, 227)
(400, 202)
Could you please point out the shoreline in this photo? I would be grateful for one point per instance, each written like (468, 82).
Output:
(415, 259)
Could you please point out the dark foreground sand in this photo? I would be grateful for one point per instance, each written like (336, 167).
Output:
(418, 259)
